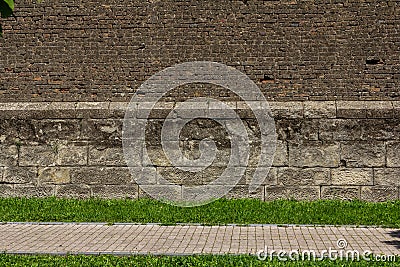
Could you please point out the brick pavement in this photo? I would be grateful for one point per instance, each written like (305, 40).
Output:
(123, 239)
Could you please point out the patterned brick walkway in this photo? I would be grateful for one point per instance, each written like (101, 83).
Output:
(125, 239)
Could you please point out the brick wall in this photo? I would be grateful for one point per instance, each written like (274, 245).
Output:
(294, 50)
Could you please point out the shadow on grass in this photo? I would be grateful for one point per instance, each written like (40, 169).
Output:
(396, 242)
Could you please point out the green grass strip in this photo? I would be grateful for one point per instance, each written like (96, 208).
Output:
(150, 261)
(223, 211)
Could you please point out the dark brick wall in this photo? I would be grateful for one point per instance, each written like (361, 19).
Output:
(294, 50)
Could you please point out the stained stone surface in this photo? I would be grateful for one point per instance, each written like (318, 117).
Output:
(319, 154)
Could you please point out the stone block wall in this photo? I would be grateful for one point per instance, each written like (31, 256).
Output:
(329, 69)
(325, 150)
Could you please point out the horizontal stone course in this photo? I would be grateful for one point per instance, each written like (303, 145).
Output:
(287, 109)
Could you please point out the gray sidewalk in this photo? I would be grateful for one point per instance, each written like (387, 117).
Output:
(123, 239)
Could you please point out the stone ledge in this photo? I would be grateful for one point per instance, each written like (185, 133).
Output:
(292, 109)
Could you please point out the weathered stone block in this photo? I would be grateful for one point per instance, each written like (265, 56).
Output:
(363, 154)
(160, 110)
(177, 176)
(303, 176)
(71, 154)
(291, 192)
(160, 192)
(102, 131)
(242, 191)
(319, 109)
(101, 175)
(54, 175)
(351, 109)
(354, 129)
(115, 191)
(47, 130)
(281, 157)
(339, 129)
(118, 109)
(396, 109)
(191, 110)
(287, 110)
(387, 176)
(6, 191)
(8, 155)
(143, 175)
(73, 191)
(314, 154)
(27, 190)
(393, 154)
(38, 110)
(157, 157)
(222, 111)
(379, 193)
(93, 110)
(106, 156)
(19, 175)
(42, 155)
(380, 129)
(200, 129)
(379, 109)
(355, 176)
(13, 130)
(297, 130)
(270, 179)
(340, 192)
(134, 149)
